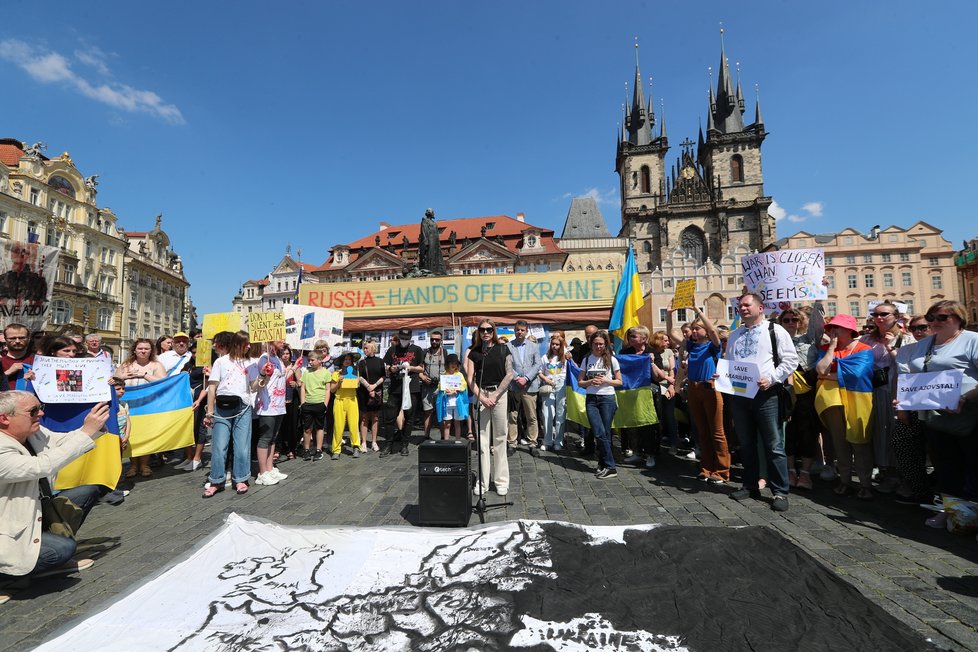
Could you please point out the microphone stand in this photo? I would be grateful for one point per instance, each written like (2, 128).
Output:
(480, 506)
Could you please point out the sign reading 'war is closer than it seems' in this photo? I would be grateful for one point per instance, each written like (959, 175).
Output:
(785, 276)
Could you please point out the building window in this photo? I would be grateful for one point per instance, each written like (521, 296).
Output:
(906, 279)
(869, 280)
(3, 222)
(134, 301)
(681, 314)
(662, 315)
(831, 280)
(32, 231)
(893, 237)
(850, 260)
(851, 282)
(887, 258)
(646, 180)
(62, 185)
(909, 303)
(854, 308)
(802, 242)
(867, 258)
(904, 257)
(104, 319)
(887, 279)
(60, 312)
(68, 274)
(737, 168)
(937, 282)
(693, 243)
(831, 307)
(828, 260)
(934, 262)
(35, 197)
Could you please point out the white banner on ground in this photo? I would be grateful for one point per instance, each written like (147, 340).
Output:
(258, 585)
(27, 274)
(72, 380)
(932, 390)
(737, 378)
(305, 324)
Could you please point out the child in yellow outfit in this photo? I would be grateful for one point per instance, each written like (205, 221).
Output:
(346, 412)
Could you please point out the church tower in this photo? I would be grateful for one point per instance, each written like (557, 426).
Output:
(640, 154)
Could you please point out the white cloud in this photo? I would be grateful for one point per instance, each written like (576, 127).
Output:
(775, 211)
(813, 208)
(51, 67)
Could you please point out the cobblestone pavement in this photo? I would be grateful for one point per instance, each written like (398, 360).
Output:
(925, 577)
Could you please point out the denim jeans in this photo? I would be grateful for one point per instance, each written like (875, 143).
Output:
(228, 423)
(553, 410)
(601, 410)
(756, 422)
(55, 551)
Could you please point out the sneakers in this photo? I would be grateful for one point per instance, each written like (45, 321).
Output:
(278, 474)
(604, 474)
(804, 480)
(317, 456)
(745, 493)
(543, 447)
(388, 449)
(828, 473)
(937, 521)
(716, 481)
(501, 491)
(73, 566)
(632, 459)
(405, 450)
(356, 452)
(182, 466)
(267, 479)
(306, 454)
(193, 466)
(650, 462)
(334, 456)
(691, 455)
(780, 504)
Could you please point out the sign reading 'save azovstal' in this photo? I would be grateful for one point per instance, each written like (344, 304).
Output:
(465, 294)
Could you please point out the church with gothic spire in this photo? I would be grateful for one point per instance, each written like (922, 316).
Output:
(695, 215)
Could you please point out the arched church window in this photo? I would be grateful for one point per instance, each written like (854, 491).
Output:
(737, 168)
(647, 246)
(693, 243)
(646, 180)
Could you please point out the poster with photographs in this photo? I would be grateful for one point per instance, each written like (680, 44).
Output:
(27, 273)
(72, 380)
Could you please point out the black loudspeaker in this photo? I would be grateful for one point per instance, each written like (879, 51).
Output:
(444, 483)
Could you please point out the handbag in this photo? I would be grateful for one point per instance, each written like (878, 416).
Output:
(881, 377)
(228, 401)
(785, 391)
(58, 514)
(545, 389)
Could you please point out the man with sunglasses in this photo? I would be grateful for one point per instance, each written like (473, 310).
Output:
(434, 367)
(30, 456)
(403, 356)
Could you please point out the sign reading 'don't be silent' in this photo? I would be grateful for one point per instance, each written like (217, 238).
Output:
(266, 326)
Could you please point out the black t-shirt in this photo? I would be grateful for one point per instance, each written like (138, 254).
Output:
(411, 354)
(495, 364)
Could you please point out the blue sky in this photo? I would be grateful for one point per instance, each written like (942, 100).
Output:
(251, 125)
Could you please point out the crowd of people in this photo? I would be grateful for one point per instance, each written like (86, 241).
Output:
(824, 409)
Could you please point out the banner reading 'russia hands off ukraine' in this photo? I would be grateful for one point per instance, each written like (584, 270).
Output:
(635, 407)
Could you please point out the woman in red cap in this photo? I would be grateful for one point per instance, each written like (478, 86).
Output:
(844, 401)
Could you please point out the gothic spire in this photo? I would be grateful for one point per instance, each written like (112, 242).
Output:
(639, 123)
(662, 119)
(727, 117)
(758, 120)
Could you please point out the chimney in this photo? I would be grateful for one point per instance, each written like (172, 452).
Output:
(384, 226)
(521, 217)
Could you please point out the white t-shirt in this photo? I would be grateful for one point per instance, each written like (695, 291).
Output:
(233, 377)
(271, 397)
(593, 367)
(173, 363)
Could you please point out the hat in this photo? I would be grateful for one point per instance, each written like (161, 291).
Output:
(181, 334)
(844, 321)
(404, 334)
(339, 352)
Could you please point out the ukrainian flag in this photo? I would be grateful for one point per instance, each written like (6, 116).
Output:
(634, 397)
(161, 416)
(628, 299)
(101, 465)
(853, 391)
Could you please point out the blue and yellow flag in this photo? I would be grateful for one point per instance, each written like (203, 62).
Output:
(101, 465)
(853, 391)
(634, 397)
(628, 299)
(161, 416)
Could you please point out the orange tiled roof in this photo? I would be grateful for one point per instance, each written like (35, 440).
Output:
(135, 234)
(9, 153)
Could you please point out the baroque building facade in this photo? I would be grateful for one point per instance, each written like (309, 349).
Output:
(47, 200)
(966, 262)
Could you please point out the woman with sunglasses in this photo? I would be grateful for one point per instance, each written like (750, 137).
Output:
(886, 339)
(802, 432)
(909, 443)
(955, 456)
(489, 369)
(843, 401)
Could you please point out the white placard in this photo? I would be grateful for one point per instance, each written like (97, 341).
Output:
(72, 380)
(932, 390)
(737, 378)
(871, 306)
(787, 275)
(449, 382)
(305, 324)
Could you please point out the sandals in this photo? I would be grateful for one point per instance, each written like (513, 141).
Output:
(241, 488)
(146, 472)
(841, 490)
(211, 489)
(375, 447)
(131, 473)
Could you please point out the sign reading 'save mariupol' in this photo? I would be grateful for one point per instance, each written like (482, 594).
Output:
(465, 294)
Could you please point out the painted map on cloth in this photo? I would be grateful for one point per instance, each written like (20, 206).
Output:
(533, 585)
